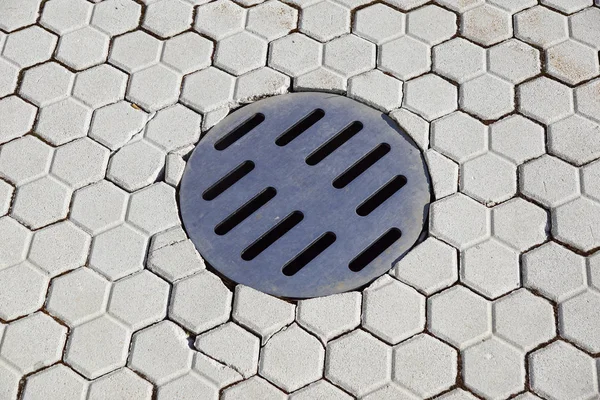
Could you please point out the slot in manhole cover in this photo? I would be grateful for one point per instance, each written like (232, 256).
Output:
(304, 195)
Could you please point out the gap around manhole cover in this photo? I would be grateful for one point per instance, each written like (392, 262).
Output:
(304, 195)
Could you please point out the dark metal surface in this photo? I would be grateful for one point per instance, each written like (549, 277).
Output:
(280, 211)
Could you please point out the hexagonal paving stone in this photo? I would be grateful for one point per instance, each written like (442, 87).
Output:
(347, 356)
(575, 139)
(123, 384)
(15, 14)
(220, 375)
(349, 55)
(405, 58)
(24, 290)
(200, 302)
(116, 16)
(295, 54)
(560, 371)
(524, 319)
(99, 207)
(320, 389)
(459, 60)
(425, 365)
(590, 180)
(577, 223)
(572, 62)
(17, 118)
(9, 74)
(220, 19)
(517, 138)
(271, 20)
(63, 121)
(321, 78)
(460, 221)
(188, 386)
(114, 125)
(583, 25)
(149, 161)
(493, 357)
(29, 46)
(78, 296)
(514, 61)
(80, 162)
(487, 96)
(432, 24)
(545, 100)
(99, 86)
(390, 391)
(554, 271)
(9, 378)
(6, 196)
(260, 83)
(368, 87)
(64, 16)
(579, 320)
(160, 353)
(261, 313)
(168, 17)
(325, 20)
(461, 6)
(46, 83)
(430, 96)
(489, 178)
(241, 53)
(568, 7)
(459, 304)
(153, 209)
(588, 103)
(135, 51)
(154, 88)
(175, 261)
(14, 248)
(486, 24)
(24, 160)
(541, 26)
(392, 310)
(207, 90)
(519, 223)
(378, 23)
(33, 342)
(98, 347)
(42, 202)
(187, 52)
(58, 381)
(83, 48)
(459, 136)
(549, 181)
(255, 387)
(173, 128)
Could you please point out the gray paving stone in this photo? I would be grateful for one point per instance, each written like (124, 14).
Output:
(578, 320)
(583, 25)
(549, 181)
(321, 79)
(241, 53)
(29, 46)
(325, 20)
(6, 195)
(577, 224)
(17, 13)
(78, 297)
(160, 353)
(406, 5)
(33, 342)
(568, 7)
(8, 77)
(42, 202)
(330, 316)
(83, 48)
(493, 357)
(216, 372)
(320, 389)
(99, 207)
(154, 87)
(188, 52)
(489, 178)
(429, 267)
(220, 19)
(98, 347)
(174, 128)
(404, 57)
(10, 381)
(80, 162)
(560, 371)
(487, 97)
(261, 313)
(114, 125)
(63, 121)
(168, 237)
(460, 221)
(260, 83)
(460, 6)
(149, 161)
(379, 23)
(390, 391)
(58, 382)
(213, 117)
(524, 319)
(153, 209)
(430, 96)
(168, 17)
(459, 137)
(116, 17)
(64, 16)
(207, 90)
(487, 24)
(432, 24)
(24, 290)
(200, 302)
(349, 55)
(255, 387)
(587, 102)
(572, 62)
(459, 303)
(370, 86)
(46, 83)
(517, 139)
(122, 384)
(514, 61)
(594, 271)
(575, 139)
(17, 118)
(416, 127)
(554, 271)
(295, 54)
(457, 394)
(189, 386)
(425, 365)
(135, 51)
(392, 311)
(272, 20)
(541, 26)
(14, 248)
(100, 86)
(519, 223)
(459, 60)
(175, 261)
(590, 175)
(347, 356)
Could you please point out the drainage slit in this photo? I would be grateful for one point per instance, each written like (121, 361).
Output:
(272, 235)
(245, 211)
(381, 195)
(334, 143)
(309, 254)
(239, 131)
(361, 166)
(375, 249)
(299, 127)
(228, 180)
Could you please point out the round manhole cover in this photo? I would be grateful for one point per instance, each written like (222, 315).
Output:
(304, 195)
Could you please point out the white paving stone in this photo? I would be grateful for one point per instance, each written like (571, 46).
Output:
(325, 20)
(174, 128)
(122, 384)
(80, 162)
(590, 175)
(8, 78)
(135, 51)
(514, 61)
(241, 53)
(153, 208)
(459, 137)
(320, 389)
(541, 26)
(16, 14)
(432, 24)
(14, 249)
(114, 125)
(416, 127)
(59, 382)
(519, 223)
(100, 86)
(577, 224)
(220, 19)
(42, 202)
(99, 207)
(216, 372)
(368, 86)
(459, 60)
(260, 83)
(549, 181)
(168, 17)
(405, 58)
(489, 179)
(63, 121)
(24, 290)
(24, 160)
(187, 52)
(486, 24)
(487, 97)
(154, 87)
(148, 159)
(295, 54)
(175, 260)
(207, 90)
(390, 391)
(188, 386)
(430, 96)
(578, 320)
(583, 26)
(29, 46)
(379, 23)
(17, 118)
(587, 101)
(255, 387)
(83, 48)
(517, 138)
(6, 195)
(572, 62)
(349, 55)
(116, 16)
(64, 16)
(575, 139)
(271, 19)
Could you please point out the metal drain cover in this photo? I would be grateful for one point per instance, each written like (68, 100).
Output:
(304, 195)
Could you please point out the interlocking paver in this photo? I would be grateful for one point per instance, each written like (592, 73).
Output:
(549, 181)
(425, 365)
(587, 100)
(416, 127)
(175, 261)
(524, 319)
(100, 86)
(241, 53)
(99, 207)
(24, 290)
(379, 23)
(80, 162)
(514, 61)
(149, 160)
(459, 60)
(432, 24)
(577, 224)
(347, 356)
(6, 195)
(64, 16)
(568, 7)
(578, 320)
(187, 387)
(17, 118)
(390, 391)
(9, 379)
(116, 17)
(325, 20)
(590, 175)
(366, 87)
(320, 389)
(321, 78)
(519, 223)
(135, 51)
(219, 374)
(114, 125)
(560, 371)
(255, 387)
(122, 384)
(220, 19)
(59, 382)
(517, 138)
(208, 89)
(42, 202)
(458, 394)
(575, 139)
(459, 136)
(14, 248)
(486, 24)
(78, 296)
(554, 271)
(430, 96)
(295, 54)
(16, 13)
(154, 87)
(392, 311)
(459, 304)
(349, 55)
(541, 26)
(46, 83)
(405, 57)
(63, 121)
(489, 178)
(272, 19)
(187, 52)
(168, 17)
(460, 6)
(29, 46)
(153, 208)
(9, 74)
(83, 48)
(260, 83)
(572, 62)
(583, 25)
(487, 96)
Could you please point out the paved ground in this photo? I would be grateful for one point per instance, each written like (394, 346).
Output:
(103, 297)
